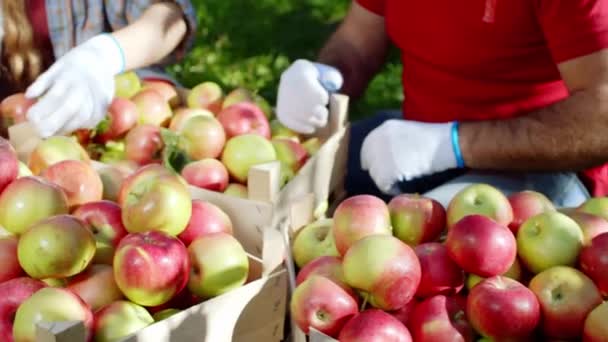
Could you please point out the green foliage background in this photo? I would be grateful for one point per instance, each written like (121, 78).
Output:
(250, 42)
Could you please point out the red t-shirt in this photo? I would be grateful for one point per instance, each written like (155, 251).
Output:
(36, 11)
(483, 59)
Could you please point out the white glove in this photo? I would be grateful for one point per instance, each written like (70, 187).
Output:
(304, 94)
(400, 150)
(78, 88)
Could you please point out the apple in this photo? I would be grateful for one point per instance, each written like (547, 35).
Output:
(385, 268)
(321, 304)
(237, 95)
(278, 130)
(165, 89)
(164, 314)
(155, 199)
(416, 219)
(28, 200)
(80, 182)
(549, 239)
(206, 219)
(126, 84)
(244, 118)
(143, 144)
(151, 268)
(596, 206)
(57, 247)
(374, 326)
(121, 117)
(313, 241)
(595, 328)
(481, 246)
(594, 262)
(9, 263)
(480, 199)
(329, 267)
(357, 217)
(515, 272)
(202, 137)
(207, 173)
(13, 109)
(152, 108)
(218, 264)
(24, 171)
(181, 115)
(312, 145)
(111, 180)
(236, 190)
(14, 292)
(526, 204)
(290, 153)
(96, 286)
(440, 318)
(10, 164)
(182, 301)
(50, 304)
(439, 273)
(55, 282)
(591, 225)
(503, 308)
(244, 151)
(566, 297)
(53, 150)
(207, 95)
(404, 315)
(120, 319)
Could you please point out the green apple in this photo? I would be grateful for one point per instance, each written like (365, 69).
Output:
(120, 319)
(313, 241)
(312, 145)
(237, 190)
(164, 314)
(481, 199)
(55, 149)
(126, 84)
(244, 151)
(597, 206)
(290, 153)
(55, 282)
(278, 130)
(24, 170)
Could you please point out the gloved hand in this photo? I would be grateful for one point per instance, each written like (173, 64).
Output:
(401, 150)
(77, 89)
(304, 94)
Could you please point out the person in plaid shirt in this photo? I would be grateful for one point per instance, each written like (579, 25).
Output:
(66, 53)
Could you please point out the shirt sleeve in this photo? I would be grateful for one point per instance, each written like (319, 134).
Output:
(573, 28)
(375, 6)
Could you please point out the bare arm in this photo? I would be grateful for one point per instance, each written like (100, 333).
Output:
(159, 30)
(569, 135)
(358, 49)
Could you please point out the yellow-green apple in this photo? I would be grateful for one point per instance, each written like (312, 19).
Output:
(143, 144)
(313, 241)
(278, 130)
(121, 117)
(207, 173)
(312, 145)
(155, 199)
(404, 315)
(206, 219)
(596, 206)
(120, 319)
(595, 328)
(218, 264)
(202, 137)
(104, 219)
(385, 268)
(24, 171)
(416, 219)
(374, 325)
(57, 247)
(322, 304)
(591, 225)
(207, 95)
(515, 272)
(244, 151)
(329, 267)
(126, 84)
(566, 297)
(164, 314)
(503, 308)
(237, 95)
(50, 304)
(55, 282)
(181, 115)
(440, 318)
(13, 109)
(152, 108)
(53, 150)
(526, 204)
(28, 200)
(151, 268)
(357, 217)
(166, 89)
(78, 179)
(439, 273)
(9, 263)
(96, 286)
(549, 239)
(481, 199)
(291, 153)
(14, 292)
(236, 190)
(244, 118)
(481, 246)
(594, 262)
(111, 178)
(10, 164)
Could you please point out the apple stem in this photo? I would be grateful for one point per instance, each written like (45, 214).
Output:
(364, 304)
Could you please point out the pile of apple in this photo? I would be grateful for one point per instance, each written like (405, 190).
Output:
(67, 253)
(212, 139)
(488, 267)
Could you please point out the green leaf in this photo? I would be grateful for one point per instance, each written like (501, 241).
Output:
(173, 156)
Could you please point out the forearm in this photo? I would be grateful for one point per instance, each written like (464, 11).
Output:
(153, 36)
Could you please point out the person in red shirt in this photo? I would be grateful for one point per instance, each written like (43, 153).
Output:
(513, 93)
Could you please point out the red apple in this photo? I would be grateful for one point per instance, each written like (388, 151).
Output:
(53, 150)
(119, 320)
(596, 329)
(96, 286)
(10, 164)
(329, 267)
(566, 297)
(291, 153)
(13, 110)
(416, 219)
(143, 144)
(526, 204)
(404, 315)
(594, 262)
(440, 274)
(236, 190)
(151, 268)
(244, 118)
(441, 319)
(206, 219)
(321, 304)
(357, 217)
(9, 263)
(14, 292)
(121, 117)
(245, 151)
(208, 174)
(152, 108)
(374, 326)
(181, 115)
(481, 246)
(202, 137)
(111, 178)
(80, 182)
(591, 225)
(207, 95)
(166, 89)
(480, 199)
(503, 308)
